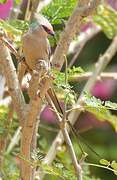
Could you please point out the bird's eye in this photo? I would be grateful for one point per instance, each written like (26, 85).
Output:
(49, 31)
(45, 28)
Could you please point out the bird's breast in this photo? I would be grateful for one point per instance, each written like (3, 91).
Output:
(35, 49)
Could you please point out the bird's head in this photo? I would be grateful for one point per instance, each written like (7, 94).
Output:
(44, 25)
(48, 29)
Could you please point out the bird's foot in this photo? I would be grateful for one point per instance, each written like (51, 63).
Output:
(42, 65)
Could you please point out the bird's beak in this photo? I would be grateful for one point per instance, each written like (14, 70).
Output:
(52, 33)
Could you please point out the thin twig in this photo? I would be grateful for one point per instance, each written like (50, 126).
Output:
(63, 127)
(15, 140)
(48, 128)
(100, 166)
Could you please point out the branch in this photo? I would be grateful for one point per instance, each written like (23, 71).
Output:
(29, 127)
(83, 38)
(27, 10)
(87, 75)
(35, 5)
(43, 4)
(37, 77)
(102, 62)
(83, 9)
(12, 81)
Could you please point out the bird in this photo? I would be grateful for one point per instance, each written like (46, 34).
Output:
(35, 43)
(36, 47)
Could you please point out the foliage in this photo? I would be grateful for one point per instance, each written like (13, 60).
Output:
(65, 87)
(14, 29)
(75, 71)
(63, 157)
(59, 10)
(111, 105)
(96, 107)
(16, 1)
(5, 124)
(3, 120)
(3, 1)
(7, 128)
(112, 165)
(104, 162)
(9, 168)
(57, 169)
(106, 17)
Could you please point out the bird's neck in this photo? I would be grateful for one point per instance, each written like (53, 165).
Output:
(39, 32)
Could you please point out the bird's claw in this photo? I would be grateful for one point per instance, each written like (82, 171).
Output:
(42, 65)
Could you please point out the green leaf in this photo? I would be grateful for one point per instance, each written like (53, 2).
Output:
(52, 170)
(43, 143)
(74, 71)
(10, 170)
(111, 105)
(114, 165)
(17, 1)
(104, 162)
(2, 130)
(19, 24)
(106, 17)
(60, 76)
(3, 120)
(3, 1)
(58, 10)
(8, 27)
(59, 165)
(63, 89)
(96, 107)
(14, 29)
